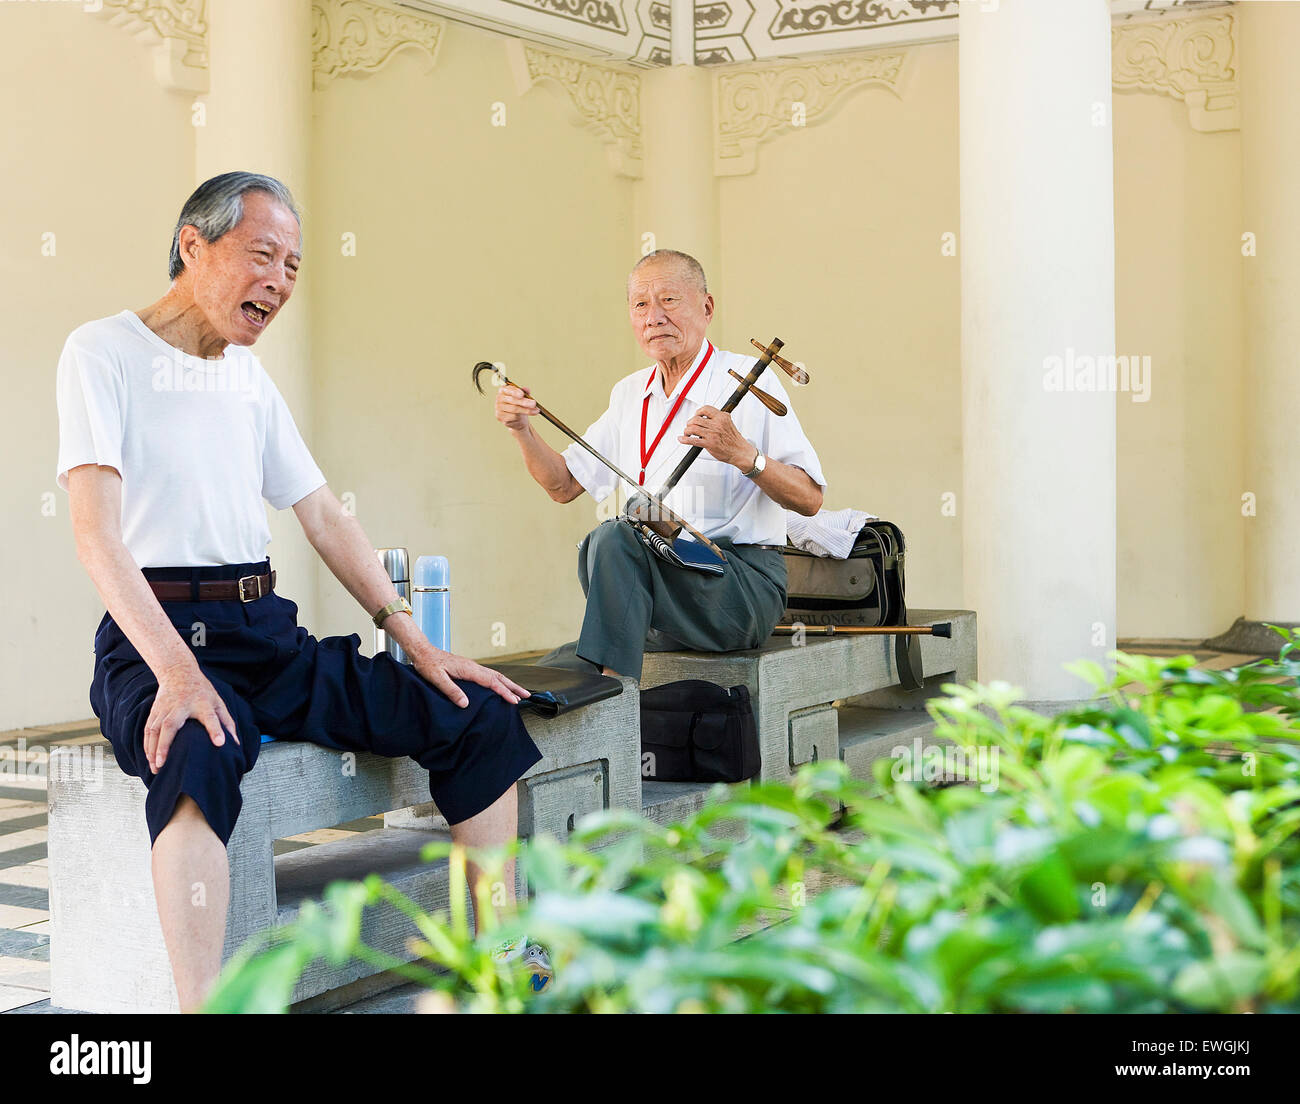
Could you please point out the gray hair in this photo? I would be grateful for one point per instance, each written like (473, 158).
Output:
(685, 260)
(217, 205)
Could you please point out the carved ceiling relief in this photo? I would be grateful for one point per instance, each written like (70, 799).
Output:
(1192, 58)
(601, 14)
(793, 18)
(176, 31)
(605, 100)
(753, 106)
(355, 36)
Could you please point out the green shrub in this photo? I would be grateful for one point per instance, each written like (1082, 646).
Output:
(1138, 854)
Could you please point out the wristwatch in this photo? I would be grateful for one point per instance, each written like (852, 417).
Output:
(760, 462)
(400, 606)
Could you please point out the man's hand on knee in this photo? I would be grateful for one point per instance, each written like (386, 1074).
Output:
(440, 669)
(183, 694)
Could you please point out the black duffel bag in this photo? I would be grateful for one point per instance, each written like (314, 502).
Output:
(866, 589)
(696, 731)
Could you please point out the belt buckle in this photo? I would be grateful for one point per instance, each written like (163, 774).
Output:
(256, 579)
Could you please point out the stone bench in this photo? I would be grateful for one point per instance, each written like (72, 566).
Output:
(106, 946)
(834, 697)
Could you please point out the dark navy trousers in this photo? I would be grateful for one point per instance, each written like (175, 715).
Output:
(279, 680)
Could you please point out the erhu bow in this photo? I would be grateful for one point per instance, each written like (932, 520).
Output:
(650, 509)
(660, 508)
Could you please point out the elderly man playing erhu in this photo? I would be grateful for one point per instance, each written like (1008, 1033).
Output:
(166, 482)
(755, 466)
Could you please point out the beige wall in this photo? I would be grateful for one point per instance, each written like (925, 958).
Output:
(105, 173)
(1178, 291)
(511, 243)
(474, 242)
(834, 246)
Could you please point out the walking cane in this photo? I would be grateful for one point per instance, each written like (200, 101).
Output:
(943, 628)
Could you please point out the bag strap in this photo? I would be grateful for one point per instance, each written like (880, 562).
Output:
(893, 600)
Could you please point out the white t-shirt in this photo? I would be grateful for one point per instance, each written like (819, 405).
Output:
(714, 497)
(198, 443)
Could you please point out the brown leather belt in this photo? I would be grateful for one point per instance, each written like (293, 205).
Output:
(247, 589)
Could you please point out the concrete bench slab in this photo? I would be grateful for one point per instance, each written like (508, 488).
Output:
(106, 947)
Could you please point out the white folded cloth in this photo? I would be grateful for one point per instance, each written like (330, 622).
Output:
(826, 533)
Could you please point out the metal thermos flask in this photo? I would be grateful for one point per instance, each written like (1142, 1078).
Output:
(398, 565)
(433, 600)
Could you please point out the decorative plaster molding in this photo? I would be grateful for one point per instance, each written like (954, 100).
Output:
(601, 14)
(177, 33)
(615, 31)
(1193, 60)
(805, 17)
(729, 31)
(607, 100)
(356, 36)
(752, 106)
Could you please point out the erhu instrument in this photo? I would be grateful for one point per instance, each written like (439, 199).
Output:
(650, 509)
(660, 508)
(642, 505)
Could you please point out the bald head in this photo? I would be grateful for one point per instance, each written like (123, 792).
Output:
(682, 264)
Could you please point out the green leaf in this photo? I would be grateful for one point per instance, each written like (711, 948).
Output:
(1221, 983)
(262, 983)
(1048, 891)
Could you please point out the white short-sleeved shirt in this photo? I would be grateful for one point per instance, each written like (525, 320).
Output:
(198, 443)
(714, 497)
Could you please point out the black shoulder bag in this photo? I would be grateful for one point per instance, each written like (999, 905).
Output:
(865, 589)
(696, 731)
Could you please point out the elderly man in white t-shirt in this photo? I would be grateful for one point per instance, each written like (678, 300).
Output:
(171, 436)
(754, 467)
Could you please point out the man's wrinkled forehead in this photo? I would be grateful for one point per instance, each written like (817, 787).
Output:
(271, 224)
(662, 276)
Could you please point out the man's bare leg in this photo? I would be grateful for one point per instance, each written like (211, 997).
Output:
(495, 826)
(191, 882)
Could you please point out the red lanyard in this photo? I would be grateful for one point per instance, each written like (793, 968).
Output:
(645, 411)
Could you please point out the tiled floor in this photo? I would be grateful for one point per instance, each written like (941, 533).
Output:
(24, 878)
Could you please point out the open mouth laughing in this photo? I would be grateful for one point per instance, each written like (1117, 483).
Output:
(257, 311)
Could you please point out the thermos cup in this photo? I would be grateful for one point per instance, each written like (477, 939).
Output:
(432, 600)
(397, 563)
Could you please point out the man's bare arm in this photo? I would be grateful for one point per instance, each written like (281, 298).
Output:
(348, 553)
(95, 503)
(514, 409)
(790, 487)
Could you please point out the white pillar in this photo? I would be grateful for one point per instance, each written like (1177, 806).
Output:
(1038, 282)
(678, 193)
(258, 117)
(1270, 142)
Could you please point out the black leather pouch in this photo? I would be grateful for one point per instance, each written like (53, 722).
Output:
(556, 690)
